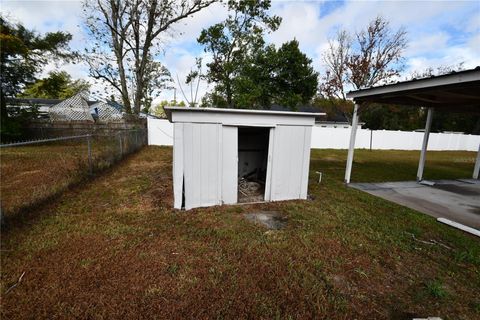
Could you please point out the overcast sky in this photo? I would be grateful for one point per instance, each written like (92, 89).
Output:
(439, 32)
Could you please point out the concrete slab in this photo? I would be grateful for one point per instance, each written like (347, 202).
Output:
(457, 200)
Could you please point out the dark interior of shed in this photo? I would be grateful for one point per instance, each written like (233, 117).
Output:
(252, 163)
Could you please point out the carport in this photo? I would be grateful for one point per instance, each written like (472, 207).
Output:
(453, 92)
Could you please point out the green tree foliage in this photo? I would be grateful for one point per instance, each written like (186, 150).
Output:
(58, 85)
(232, 41)
(159, 110)
(248, 73)
(284, 76)
(22, 55)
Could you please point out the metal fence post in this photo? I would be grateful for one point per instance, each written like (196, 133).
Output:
(89, 148)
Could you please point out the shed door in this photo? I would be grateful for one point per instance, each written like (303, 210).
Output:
(229, 164)
(202, 165)
(290, 162)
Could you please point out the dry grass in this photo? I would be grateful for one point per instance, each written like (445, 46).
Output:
(114, 248)
(31, 175)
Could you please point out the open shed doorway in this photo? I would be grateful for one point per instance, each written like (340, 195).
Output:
(252, 163)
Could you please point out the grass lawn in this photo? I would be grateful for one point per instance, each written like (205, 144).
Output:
(33, 174)
(115, 248)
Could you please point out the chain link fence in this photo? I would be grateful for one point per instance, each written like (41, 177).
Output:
(35, 171)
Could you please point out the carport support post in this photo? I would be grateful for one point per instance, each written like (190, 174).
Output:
(351, 148)
(477, 165)
(423, 154)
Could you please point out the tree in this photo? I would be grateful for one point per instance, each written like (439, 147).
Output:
(372, 57)
(284, 76)
(23, 54)
(58, 85)
(159, 110)
(127, 37)
(234, 39)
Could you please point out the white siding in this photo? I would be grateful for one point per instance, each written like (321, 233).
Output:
(178, 166)
(201, 164)
(289, 165)
(306, 162)
(229, 164)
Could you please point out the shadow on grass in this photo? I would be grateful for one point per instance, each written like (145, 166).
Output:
(31, 213)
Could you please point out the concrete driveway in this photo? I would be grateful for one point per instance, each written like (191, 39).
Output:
(457, 200)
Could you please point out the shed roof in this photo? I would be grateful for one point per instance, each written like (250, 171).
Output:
(168, 111)
(240, 117)
(454, 92)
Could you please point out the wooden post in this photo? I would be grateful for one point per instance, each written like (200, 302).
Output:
(423, 153)
(351, 148)
(477, 165)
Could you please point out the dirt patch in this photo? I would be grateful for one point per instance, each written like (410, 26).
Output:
(271, 219)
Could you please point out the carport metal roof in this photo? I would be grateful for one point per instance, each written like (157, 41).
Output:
(453, 92)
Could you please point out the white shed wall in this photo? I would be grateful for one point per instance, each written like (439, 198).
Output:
(206, 164)
(202, 164)
(290, 162)
(229, 164)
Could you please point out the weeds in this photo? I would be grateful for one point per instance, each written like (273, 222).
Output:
(436, 289)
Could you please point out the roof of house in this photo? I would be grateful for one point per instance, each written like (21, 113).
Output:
(35, 101)
(80, 108)
(455, 92)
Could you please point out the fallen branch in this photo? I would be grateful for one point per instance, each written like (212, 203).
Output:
(16, 284)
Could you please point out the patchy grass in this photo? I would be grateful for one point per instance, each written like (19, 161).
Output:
(37, 173)
(115, 248)
(33, 173)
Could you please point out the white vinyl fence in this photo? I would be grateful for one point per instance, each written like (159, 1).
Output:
(160, 132)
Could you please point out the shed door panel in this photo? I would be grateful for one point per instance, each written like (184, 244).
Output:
(290, 162)
(229, 164)
(201, 164)
(178, 165)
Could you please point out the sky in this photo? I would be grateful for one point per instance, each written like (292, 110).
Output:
(439, 32)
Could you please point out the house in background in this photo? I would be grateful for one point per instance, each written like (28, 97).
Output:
(79, 108)
(106, 111)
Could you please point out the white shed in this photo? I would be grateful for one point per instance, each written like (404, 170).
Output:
(215, 150)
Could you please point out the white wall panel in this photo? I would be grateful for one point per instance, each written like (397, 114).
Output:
(178, 169)
(288, 162)
(229, 164)
(201, 163)
(306, 162)
(160, 132)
